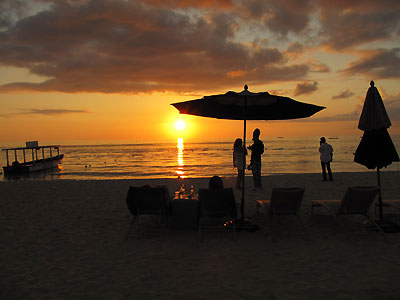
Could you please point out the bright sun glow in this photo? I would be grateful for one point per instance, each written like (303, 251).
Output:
(180, 125)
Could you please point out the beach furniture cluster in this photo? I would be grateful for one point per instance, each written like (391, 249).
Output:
(212, 210)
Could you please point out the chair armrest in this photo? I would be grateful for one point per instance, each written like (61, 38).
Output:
(263, 203)
(332, 206)
(389, 203)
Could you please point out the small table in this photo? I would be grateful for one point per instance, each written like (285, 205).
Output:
(185, 212)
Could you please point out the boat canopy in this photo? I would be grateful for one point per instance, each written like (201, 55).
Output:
(34, 148)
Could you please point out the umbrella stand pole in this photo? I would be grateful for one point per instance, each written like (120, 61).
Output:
(244, 162)
(243, 223)
(244, 171)
(379, 195)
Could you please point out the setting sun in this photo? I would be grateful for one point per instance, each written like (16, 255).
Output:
(180, 125)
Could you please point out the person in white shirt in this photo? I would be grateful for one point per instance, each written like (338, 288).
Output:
(326, 155)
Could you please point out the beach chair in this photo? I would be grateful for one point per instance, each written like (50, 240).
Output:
(284, 201)
(217, 210)
(356, 201)
(148, 200)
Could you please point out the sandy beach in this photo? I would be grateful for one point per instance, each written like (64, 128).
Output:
(62, 239)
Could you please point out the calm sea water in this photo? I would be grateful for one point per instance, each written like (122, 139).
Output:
(188, 159)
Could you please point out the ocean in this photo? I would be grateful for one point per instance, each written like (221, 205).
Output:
(195, 159)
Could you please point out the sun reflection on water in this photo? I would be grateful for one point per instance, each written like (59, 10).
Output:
(180, 172)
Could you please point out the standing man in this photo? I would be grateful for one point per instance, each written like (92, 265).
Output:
(257, 149)
(326, 155)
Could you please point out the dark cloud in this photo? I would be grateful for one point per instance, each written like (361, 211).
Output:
(46, 112)
(224, 4)
(296, 48)
(183, 45)
(279, 16)
(126, 46)
(306, 88)
(335, 24)
(343, 95)
(345, 24)
(377, 64)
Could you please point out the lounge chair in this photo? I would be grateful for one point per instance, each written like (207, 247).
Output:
(147, 200)
(284, 201)
(217, 210)
(356, 201)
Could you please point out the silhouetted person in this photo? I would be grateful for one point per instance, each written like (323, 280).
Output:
(326, 155)
(239, 160)
(257, 149)
(215, 183)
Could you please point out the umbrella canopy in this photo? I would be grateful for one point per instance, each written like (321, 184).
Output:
(247, 106)
(373, 115)
(376, 149)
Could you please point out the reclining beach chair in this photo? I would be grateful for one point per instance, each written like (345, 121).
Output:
(217, 210)
(147, 200)
(356, 201)
(284, 201)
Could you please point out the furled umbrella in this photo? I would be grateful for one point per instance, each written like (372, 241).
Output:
(247, 106)
(376, 149)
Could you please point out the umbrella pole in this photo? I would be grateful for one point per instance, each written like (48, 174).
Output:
(379, 195)
(244, 169)
(244, 157)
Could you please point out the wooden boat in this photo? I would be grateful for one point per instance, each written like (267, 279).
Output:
(47, 161)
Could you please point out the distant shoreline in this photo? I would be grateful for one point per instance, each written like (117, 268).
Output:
(37, 178)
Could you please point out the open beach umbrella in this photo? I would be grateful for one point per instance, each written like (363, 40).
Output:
(247, 106)
(376, 149)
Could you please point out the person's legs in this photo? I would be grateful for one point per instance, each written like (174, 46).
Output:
(323, 165)
(328, 166)
(239, 179)
(254, 172)
(257, 173)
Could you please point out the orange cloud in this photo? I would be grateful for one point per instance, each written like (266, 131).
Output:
(306, 88)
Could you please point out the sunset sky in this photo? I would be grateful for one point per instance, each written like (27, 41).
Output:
(85, 70)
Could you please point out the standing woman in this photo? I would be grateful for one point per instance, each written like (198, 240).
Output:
(239, 154)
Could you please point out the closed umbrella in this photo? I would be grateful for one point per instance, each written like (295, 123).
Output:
(247, 106)
(376, 149)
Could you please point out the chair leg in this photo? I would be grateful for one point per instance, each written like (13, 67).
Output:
(379, 229)
(304, 227)
(266, 219)
(130, 227)
(271, 228)
(200, 230)
(233, 228)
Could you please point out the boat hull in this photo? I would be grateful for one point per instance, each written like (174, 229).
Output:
(33, 166)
